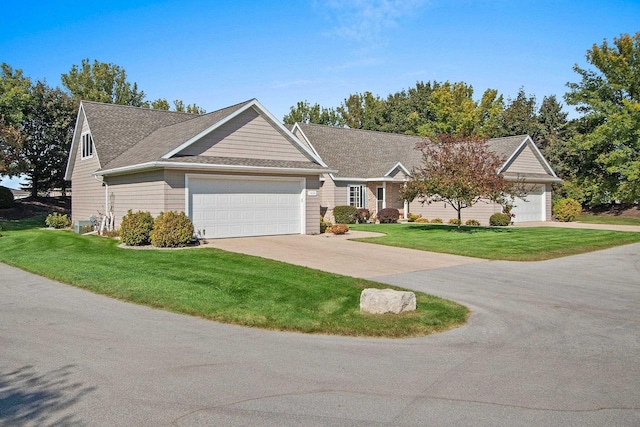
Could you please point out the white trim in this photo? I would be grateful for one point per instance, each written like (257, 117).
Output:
(212, 167)
(384, 194)
(528, 141)
(296, 126)
(71, 161)
(345, 179)
(91, 148)
(363, 195)
(259, 108)
(301, 180)
(398, 165)
(532, 179)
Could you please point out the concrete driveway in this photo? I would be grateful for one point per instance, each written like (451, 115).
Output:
(548, 343)
(339, 255)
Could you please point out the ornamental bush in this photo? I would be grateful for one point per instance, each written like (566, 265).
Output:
(453, 221)
(363, 216)
(472, 222)
(500, 219)
(324, 224)
(413, 217)
(566, 210)
(56, 220)
(6, 198)
(345, 214)
(421, 220)
(171, 230)
(436, 221)
(388, 215)
(339, 228)
(135, 229)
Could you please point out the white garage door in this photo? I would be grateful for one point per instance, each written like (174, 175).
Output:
(240, 207)
(532, 208)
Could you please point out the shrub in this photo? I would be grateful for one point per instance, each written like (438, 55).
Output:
(388, 215)
(171, 230)
(135, 229)
(566, 210)
(436, 221)
(500, 219)
(413, 217)
(363, 215)
(472, 222)
(56, 220)
(421, 220)
(453, 221)
(324, 225)
(6, 198)
(339, 229)
(345, 214)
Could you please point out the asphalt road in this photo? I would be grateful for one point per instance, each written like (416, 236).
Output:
(549, 343)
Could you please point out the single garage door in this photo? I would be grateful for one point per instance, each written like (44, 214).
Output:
(532, 208)
(245, 206)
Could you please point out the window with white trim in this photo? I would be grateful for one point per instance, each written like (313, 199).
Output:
(357, 196)
(87, 145)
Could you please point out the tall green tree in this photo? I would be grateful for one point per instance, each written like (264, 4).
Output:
(607, 149)
(363, 111)
(102, 82)
(15, 95)
(520, 117)
(304, 112)
(47, 128)
(180, 107)
(159, 104)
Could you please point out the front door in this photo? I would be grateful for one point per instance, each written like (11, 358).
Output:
(380, 199)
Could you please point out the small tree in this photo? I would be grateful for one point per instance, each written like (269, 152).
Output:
(459, 171)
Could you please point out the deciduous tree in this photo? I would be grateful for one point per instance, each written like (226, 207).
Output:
(459, 171)
(304, 112)
(102, 82)
(607, 149)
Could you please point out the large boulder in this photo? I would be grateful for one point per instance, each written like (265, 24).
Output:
(380, 301)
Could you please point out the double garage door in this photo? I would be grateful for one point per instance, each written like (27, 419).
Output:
(531, 209)
(232, 206)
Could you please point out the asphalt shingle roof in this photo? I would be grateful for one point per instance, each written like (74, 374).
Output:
(357, 153)
(237, 161)
(116, 128)
(160, 141)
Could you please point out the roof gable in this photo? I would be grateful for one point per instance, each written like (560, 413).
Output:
(193, 137)
(525, 158)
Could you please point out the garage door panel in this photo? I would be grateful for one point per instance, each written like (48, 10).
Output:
(245, 207)
(532, 207)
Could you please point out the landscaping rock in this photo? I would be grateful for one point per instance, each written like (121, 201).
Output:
(380, 301)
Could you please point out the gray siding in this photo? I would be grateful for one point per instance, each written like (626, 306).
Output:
(139, 192)
(88, 194)
(247, 136)
(313, 205)
(526, 162)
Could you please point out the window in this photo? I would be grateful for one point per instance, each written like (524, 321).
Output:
(357, 196)
(87, 145)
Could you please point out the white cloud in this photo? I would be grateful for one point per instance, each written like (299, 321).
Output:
(365, 21)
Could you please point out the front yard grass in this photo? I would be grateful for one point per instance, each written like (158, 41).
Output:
(500, 243)
(607, 219)
(218, 285)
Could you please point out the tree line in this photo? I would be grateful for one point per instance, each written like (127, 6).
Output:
(596, 154)
(37, 120)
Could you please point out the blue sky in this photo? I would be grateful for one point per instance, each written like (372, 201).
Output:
(218, 53)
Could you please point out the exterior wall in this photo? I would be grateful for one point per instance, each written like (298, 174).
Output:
(88, 194)
(313, 205)
(548, 204)
(248, 136)
(526, 162)
(480, 211)
(139, 192)
(174, 195)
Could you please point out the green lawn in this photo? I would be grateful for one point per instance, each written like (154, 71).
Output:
(607, 219)
(218, 285)
(505, 243)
